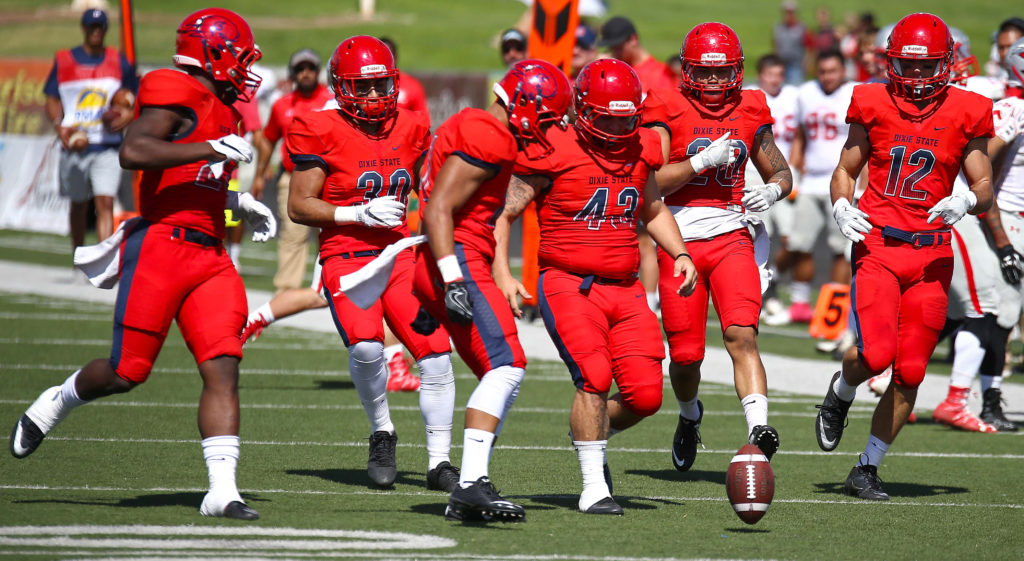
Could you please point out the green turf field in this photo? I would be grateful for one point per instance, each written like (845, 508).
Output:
(123, 477)
(455, 34)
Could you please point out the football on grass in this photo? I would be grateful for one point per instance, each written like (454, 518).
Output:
(750, 483)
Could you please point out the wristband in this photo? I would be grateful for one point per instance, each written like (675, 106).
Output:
(684, 254)
(345, 215)
(449, 267)
(972, 199)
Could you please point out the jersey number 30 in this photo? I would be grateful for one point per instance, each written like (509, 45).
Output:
(398, 184)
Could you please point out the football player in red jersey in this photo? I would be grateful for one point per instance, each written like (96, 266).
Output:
(464, 183)
(173, 266)
(590, 191)
(709, 114)
(354, 169)
(915, 134)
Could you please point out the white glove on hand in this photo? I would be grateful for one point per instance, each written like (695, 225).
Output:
(233, 147)
(953, 207)
(1010, 122)
(853, 222)
(382, 212)
(259, 218)
(759, 198)
(718, 153)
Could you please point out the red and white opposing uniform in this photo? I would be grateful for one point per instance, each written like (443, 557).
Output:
(822, 116)
(480, 139)
(900, 289)
(711, 218)
(591, 300)
(359, 168)
(172, 264)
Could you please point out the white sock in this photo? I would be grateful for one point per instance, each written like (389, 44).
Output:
(990, 382)
(755, 409)
(476, 455)
(437, 405)
(235, 253)
(689, 409)
(390, 352)
(221, 455)
(366, 365)
(844, 391)
(591, 455)
(967, 360)
(264, 312)
(800, 292)
(874, 452)
(54, 404)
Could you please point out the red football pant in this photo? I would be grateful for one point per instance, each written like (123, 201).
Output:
(397, 306)
(606, 332)
(726, 271)
(899, 303)
(492, 340)
(164, 277)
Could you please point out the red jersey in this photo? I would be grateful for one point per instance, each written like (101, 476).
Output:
(693, 128)
(479, 138)
(188, 195)
(285, 110)
(588, 215)
(655, 75)
(914, 156)
(411, 95)
(359, 167)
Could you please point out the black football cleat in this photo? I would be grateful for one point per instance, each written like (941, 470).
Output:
(685, 441)
(766, 438)
(480, 502)
(606, 505)
(381, 466)
(863, 482)
(240, 511)
(444, 477)
(831, 418)
(25, 437)
(992, 411)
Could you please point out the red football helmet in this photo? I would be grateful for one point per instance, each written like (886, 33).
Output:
(219, 42)
(965, 64)
(919, 37)
(359, 65)
(711, 49)
(535, 94)
(607, 88)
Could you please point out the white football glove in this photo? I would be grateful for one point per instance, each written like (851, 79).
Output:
(718, 153)
(759, 198)
(233, 147)
(953, 207)
(259, 218)
(1009, 122)
(853, 222)
(381, 212)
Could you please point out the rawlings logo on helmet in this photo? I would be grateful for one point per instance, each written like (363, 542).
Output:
(373, 69)
(914, 50)
(620, 106)
(713, 57)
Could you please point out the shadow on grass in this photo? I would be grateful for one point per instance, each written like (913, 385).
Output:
(571, 502)
(357, 477)
(899, 490)
(335, 384)
(746, 530)
(185, 499)
(673, 475)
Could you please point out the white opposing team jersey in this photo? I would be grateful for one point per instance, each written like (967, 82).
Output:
(823, 117)
(1008, 117)
(783, 108)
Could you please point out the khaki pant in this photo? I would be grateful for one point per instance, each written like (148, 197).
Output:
(292, 243)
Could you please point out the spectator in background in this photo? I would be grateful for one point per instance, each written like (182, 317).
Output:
(790, 40)
(78, 92)
(411, 95)
(675, 66)
(826, 38)
(585, 49)
(1008, 32)
(513, 46)
(620, 36)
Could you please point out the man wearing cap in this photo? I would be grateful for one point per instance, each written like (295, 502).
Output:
(619, 35)
(513, 47)
(308, 95)
(78, 92)
(585, 49)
